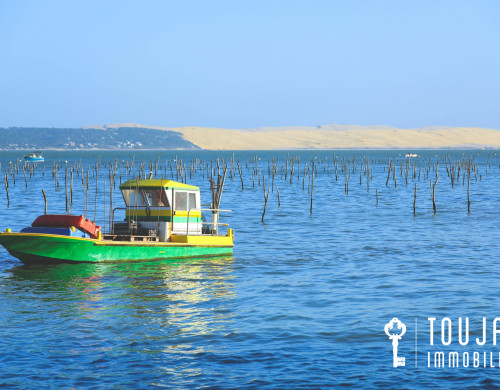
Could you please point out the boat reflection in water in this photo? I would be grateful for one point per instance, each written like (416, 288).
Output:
(195, 281)
(165, 309)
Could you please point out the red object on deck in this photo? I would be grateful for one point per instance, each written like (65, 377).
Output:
(63, 220)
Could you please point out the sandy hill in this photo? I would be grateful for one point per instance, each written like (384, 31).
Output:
(331, 137)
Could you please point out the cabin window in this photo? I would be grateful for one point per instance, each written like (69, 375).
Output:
(133, 198)
(156, 198)
(181, 201)
(192, 201)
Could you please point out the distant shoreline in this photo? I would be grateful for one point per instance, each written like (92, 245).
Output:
(134, 137)
(249, 150)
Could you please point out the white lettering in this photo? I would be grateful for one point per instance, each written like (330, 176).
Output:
(439, 359)
(476, 359)
(495, 331)
(466, 331)
(453, 359)
(444, 321)
(465, 359)
(484, 333)
(431, 325)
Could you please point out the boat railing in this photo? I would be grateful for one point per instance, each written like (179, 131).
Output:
(113, 218)
(214, 225)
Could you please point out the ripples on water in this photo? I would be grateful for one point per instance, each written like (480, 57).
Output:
(302, 303)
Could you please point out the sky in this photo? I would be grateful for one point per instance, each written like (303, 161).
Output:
(250, 63)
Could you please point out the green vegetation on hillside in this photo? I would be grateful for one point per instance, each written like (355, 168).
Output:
(15, 138)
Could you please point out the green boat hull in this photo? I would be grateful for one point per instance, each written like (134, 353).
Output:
(47, 248)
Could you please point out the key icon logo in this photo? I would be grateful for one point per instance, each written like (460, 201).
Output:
(395, 329)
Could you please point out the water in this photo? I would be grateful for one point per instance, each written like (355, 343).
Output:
(301, 304)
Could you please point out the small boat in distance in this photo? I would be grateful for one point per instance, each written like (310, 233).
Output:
(412, 155)
(34, 157)
(163, 220)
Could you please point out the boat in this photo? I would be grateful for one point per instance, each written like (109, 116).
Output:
(34, 157)
(163, 220)
(411, 155)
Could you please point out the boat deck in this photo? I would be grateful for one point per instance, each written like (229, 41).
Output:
(175, 240)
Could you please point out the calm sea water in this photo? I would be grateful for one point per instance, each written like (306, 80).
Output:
(301, 304)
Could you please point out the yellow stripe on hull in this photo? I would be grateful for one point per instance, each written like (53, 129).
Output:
(203, 240)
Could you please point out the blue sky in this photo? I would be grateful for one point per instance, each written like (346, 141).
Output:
(243, 64)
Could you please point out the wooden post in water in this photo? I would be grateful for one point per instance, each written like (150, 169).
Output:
(312, 188)
(71, 190)
(468, 185)
(45, 200)
(346, 179)
(274, 172)
(6, 180)
(376, 197)
(278, 190)
(66, 186)
(415, 201)
(335, 161)
(433, 195)
(265, 203)
(407, 169)
(286, 166)
(368, 178)
(241, 175)
(388, 173)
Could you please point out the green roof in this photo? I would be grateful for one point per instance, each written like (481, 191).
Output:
(156, 183)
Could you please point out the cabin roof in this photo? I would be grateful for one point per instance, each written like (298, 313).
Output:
(155, 183)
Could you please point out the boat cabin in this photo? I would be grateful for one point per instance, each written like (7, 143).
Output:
(160, 208)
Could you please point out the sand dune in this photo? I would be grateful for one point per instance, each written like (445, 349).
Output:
(333, 137)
